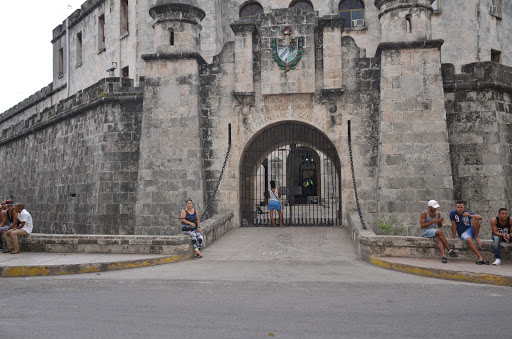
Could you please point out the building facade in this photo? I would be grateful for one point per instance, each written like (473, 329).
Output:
(402, 101)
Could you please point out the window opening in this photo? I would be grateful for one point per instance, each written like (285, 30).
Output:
(250, 11)
(496, 8)
(61, 62)
(125, 72)
(101, 32)
(353, 12)
(408, 24)
(495, 56)
(124, 17)
(171, 37)
(79, 49)
(302, 4)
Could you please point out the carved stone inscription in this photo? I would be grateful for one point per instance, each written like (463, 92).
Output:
(282, 107)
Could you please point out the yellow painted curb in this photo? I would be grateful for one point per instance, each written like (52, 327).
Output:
(30, 271)
(480, 278)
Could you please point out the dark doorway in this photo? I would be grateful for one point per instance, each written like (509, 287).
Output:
(304, 164)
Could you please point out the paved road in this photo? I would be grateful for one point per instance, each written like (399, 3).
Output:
(257, 282)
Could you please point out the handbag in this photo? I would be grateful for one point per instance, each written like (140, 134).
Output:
(187, 227)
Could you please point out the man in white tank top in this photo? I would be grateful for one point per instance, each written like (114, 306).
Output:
(430, 221)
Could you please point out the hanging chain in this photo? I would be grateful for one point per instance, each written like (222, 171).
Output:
(218, 182)
(354, 180)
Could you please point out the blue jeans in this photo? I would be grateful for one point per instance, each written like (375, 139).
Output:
(496, 241)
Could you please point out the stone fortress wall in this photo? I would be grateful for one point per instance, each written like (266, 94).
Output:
(113, 158)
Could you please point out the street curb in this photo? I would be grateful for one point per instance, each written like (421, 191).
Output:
(480, 278)
(43, 270)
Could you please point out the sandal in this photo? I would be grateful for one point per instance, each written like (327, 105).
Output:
(482, 262)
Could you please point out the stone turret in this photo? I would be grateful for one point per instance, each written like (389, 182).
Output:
(171, 166)
(177, 26)
(405, 20)
(414, 156)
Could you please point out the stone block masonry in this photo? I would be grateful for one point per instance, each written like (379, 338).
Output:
(74, 164)
(414, 163)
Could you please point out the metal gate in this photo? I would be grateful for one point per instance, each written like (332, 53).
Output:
(304, 163)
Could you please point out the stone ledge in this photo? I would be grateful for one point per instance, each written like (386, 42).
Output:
(368, 245)
(180, 244)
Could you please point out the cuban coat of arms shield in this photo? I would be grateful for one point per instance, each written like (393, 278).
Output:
(287, 51)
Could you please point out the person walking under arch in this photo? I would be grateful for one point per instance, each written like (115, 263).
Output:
(273, 203)
(430, 221)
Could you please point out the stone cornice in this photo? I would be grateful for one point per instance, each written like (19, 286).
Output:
(243, 27)
(386, 6)
(186, 11)
(174, 56)
(384, 46)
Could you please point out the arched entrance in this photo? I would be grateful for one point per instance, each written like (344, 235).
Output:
(304, 163)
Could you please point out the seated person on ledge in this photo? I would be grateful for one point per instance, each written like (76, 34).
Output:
(500, 232)
(467, 226)
(430, 221)
(18, 229)
(190, 224)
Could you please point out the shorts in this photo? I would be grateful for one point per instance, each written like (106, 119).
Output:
(274, 205)
(469, 233)
(430, 233)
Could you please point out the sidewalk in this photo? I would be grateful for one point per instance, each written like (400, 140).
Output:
(26, 264)
(455, 269)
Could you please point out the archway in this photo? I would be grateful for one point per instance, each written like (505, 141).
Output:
(304, 163)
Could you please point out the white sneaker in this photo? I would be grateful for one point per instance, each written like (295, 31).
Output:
(497, 262)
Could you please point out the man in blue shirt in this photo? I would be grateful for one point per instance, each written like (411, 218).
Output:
(467, 226)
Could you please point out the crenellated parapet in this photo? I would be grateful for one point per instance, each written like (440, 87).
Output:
(104, 91)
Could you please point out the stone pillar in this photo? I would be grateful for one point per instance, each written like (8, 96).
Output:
(332, 28)
(171, 166)
(414, 159)
(244, 32)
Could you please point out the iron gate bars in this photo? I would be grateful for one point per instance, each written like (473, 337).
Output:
(304, 164)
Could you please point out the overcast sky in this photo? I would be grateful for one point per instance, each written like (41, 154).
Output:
(26, 54)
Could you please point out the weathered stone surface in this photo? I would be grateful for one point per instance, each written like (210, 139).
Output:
(120, 159)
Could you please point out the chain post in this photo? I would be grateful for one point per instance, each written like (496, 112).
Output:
(354, 177)
(220, 176)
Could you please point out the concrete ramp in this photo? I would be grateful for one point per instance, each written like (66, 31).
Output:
(308, 244)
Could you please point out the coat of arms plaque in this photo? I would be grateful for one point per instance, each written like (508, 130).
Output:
(287, 51)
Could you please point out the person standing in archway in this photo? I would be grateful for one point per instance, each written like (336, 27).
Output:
(273, 203)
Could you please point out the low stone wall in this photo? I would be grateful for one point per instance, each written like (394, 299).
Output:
(368, 244)
(178, 245)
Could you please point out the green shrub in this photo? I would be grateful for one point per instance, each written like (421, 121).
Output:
(390, 228)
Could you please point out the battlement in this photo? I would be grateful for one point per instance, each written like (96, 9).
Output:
(41, 95)
(477, 76)
(75, 17)
(105, 90)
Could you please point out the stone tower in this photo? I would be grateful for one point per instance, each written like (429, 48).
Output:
(170, 165)
(414, 160)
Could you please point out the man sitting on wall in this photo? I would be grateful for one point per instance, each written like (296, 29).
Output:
(7, 220)
(22, 229)
(467, 226)
(500, 232)
(430, 221)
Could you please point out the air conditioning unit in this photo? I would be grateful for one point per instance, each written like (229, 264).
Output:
(358, 23)
(494, 10)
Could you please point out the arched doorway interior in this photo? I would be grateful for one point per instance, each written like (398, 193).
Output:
(304, 163)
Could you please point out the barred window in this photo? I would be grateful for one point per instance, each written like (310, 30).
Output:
(250, 11)
(303, 4)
